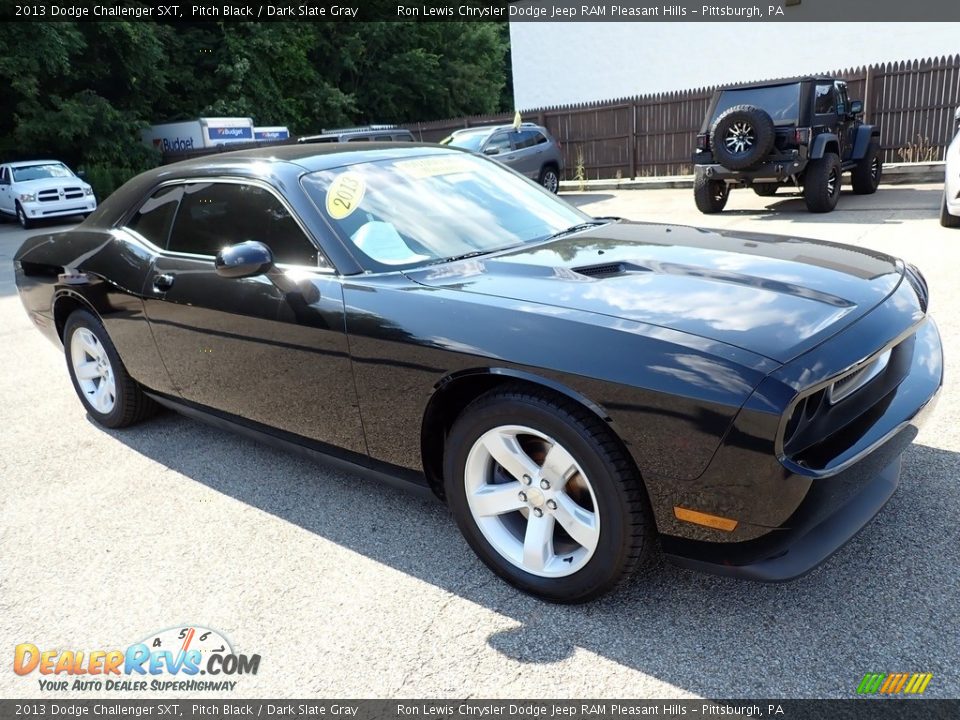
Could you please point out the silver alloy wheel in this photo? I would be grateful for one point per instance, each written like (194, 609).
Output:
(21, 217)
(739, 137)
(875, 168)
(550, 181)
(92, 368)
(532, 501)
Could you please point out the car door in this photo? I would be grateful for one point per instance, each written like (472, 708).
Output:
(272, 350)
(6, 192)
(526, 153)
(498, 147)
(846, 123)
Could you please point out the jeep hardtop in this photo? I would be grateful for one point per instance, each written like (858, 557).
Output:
(803, 132)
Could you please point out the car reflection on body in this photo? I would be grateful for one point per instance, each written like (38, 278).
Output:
(574, 388)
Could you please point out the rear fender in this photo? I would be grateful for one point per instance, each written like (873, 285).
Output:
(824, 143)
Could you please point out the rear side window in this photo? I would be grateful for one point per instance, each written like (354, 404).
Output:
(213, 215)
(525, 139)
(155, 217)
(826, 100)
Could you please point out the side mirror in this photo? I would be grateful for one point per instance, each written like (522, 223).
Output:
(82, 174)
(244, 259)
(491, 150)
(856, 107)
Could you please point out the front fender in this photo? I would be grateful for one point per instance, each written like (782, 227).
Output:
(865, 135)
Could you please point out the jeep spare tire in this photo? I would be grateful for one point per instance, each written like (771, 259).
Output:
(742, 136)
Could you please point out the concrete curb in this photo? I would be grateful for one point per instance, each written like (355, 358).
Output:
(893, 174)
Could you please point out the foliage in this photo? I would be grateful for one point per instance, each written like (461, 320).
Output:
(82, 92)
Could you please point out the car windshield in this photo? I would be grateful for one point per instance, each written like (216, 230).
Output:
(417, 210)
(467, 141)
(781, 102)
(41, 171)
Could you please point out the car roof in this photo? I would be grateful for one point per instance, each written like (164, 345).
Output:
(477, 129)
(784, 81)
(311, 157)
(29, 163)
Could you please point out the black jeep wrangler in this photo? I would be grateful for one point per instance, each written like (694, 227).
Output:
(802, 132)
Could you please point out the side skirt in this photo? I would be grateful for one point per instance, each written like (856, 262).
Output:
(402, 478)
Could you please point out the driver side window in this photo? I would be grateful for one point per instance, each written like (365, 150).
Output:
(215, 214)
(498, 144)
(826, 100)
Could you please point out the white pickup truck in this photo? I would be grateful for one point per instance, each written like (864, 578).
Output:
(40, 189)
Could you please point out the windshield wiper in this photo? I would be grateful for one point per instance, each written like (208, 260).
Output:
(474, 253)
(580, 226)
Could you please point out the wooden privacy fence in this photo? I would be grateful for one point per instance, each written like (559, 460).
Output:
(913, 102)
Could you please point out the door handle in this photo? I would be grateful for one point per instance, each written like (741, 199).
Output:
(162, 283)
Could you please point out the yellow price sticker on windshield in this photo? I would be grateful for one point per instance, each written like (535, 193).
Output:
(433, 166)
(345, 195)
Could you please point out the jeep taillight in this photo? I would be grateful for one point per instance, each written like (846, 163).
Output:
(703, 141)
(802, 136)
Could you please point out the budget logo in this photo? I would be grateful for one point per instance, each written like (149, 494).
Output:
(894, 683)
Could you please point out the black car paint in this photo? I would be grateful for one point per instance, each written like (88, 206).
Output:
(361, 366)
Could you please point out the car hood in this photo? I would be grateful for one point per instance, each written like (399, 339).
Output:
(772, 295)
(31, 186)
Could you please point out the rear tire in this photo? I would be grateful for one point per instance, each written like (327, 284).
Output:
(821, 183)
(579, 478)
(108, 393)
(946, 219)
(765, 189)
(710, 195)
(550, 178)
(742, 136)
(865, 177)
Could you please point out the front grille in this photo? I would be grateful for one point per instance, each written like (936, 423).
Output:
(69, 193)
(826, 422)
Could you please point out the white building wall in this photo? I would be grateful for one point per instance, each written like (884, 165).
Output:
(557, 63)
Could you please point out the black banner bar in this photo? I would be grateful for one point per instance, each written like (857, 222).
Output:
(853, 709)
(484, 11)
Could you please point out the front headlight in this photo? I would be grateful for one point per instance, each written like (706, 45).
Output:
(88, 190)
(27, 197)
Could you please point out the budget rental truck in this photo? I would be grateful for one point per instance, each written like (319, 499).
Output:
(199, 133)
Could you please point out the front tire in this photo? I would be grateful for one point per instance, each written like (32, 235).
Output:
(821, 184)
(946, 219)
(865, 177)
(108, 393)
(545, 495)
(25, 222)
(710, 195)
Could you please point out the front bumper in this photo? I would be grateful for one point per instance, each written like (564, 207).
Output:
(59, 208)
(797, 517)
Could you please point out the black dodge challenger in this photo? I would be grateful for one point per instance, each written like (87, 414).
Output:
(575, 388)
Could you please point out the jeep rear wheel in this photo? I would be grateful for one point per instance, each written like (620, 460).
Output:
(742, 136)
(865, 177)
(821, 183)
(710, 195)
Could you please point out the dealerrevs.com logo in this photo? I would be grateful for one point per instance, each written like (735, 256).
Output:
(184, 659)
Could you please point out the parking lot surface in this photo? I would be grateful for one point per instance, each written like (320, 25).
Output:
(347, 588)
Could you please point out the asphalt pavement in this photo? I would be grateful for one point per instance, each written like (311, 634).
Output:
(347, 588)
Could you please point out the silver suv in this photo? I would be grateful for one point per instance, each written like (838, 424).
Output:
(530, 150)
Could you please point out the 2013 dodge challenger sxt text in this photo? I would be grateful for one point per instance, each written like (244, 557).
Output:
(575, 388)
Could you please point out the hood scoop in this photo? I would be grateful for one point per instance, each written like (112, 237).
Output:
(601, 270)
